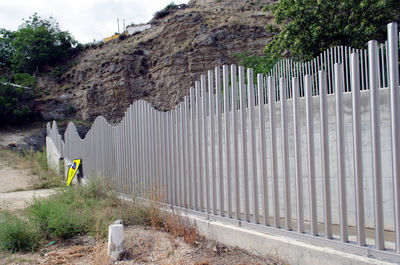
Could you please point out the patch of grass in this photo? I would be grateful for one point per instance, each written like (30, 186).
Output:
(86, 210)
(36, 162)
(77, 210)
(17, 234)
(48, 177)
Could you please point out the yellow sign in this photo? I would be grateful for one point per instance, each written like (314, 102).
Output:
(72, 170)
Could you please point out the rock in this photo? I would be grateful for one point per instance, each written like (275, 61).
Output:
(158, 65)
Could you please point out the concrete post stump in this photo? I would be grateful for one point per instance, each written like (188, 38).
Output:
(115, 241)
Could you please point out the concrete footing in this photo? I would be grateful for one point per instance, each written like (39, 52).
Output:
(289, 249)
(115, 241)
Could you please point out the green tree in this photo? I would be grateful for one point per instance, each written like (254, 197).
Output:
(6, 48)
(14, 103)
(311, 26)
(40, 42)
(308, 27)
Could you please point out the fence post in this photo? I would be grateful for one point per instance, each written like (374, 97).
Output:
(393, 49)
(211, 105)
(376, 143)
(274, 166)
(243, 125)
(357, 147)
(263, 156)
(199, 148)
(251, 102)
(325, 153)
(339, 87)
(285, 153)
(219, 136)
(235, 173)
(297, 154)
(311, 155)
(194, 149)
(205, 141)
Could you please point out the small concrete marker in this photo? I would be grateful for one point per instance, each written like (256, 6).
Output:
(115, 240)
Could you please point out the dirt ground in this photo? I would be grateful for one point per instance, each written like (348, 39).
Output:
(143, 245)
(17, 182)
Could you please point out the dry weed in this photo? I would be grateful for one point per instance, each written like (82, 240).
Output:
(180, 226)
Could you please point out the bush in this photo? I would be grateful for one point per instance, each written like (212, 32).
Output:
(17, 234)
(166, 11)
(57, 218)
(14, 103)
(26, 80)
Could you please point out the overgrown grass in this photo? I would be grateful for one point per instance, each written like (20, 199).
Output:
(36, 162)
(48, 177)
(17, 234)
(78, 210)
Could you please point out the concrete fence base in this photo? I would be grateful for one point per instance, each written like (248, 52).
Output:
(261, 243)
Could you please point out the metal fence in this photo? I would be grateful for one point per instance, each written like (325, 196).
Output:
(321, 168)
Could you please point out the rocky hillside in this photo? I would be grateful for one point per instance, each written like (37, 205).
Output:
(160, 64)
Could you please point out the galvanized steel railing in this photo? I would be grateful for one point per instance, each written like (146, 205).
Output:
(228, 154)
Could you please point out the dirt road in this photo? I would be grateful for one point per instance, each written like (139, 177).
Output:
(17, 183)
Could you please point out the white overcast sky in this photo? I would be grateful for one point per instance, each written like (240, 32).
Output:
(84, 19)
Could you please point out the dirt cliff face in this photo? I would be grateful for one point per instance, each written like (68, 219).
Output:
(158, 65)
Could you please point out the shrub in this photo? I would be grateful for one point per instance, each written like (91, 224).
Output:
(17, 234)
(26, 80)
(14, 103)
(166, 11)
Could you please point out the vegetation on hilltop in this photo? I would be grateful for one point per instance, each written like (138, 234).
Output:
(25, 53)
(309, 27)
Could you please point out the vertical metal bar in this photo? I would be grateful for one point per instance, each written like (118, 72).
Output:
(174, 153)
(263, 156)
(205, 141)
(193, 149)
(199, 147)
(362, 72)
(329, 91)
(366, 69)
(182, 153)
(169, 157)
(152, 149)
(387, 62)
(373, 57)
(346, 71)
(339, 87)
(285, 154)
(393, 80)
(357, 147)
(187, 177)
(182, 134)
(211, 105)
(383, 81)
(219, 137)
(274, 166)
(297, 155)
(160, 155)
(251, 100)
(311, 155)
(135, 143)
(235, 173)
(243, 129)
(325, 153)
